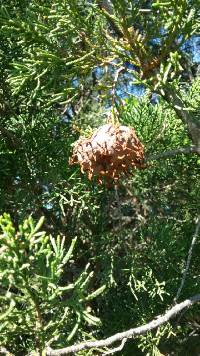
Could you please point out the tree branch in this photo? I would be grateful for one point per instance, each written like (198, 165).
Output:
(187, 265)
(116, 77)
(172, 153)
(116, 349)
(131, 333)
(184, 114)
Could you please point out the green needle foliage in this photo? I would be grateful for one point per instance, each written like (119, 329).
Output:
(39, 307)
(65, 67)
(49, 45)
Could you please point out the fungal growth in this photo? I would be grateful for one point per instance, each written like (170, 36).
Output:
(111, 151)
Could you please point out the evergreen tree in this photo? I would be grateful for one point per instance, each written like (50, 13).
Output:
(66, 68)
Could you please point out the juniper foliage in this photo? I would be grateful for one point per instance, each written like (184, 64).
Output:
(65, 65)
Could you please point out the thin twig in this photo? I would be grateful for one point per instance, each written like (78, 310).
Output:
(187, 265)
(116, 349)
(175, 152)
(116, 77)
(131, 333)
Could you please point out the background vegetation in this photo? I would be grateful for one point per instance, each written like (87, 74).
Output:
(102, 260)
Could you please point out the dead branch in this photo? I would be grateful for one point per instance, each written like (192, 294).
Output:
(131, 333)
(187, 265)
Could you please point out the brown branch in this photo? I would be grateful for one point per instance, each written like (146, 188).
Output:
(193, 126)
(175, 152)
(187, 265)
(131, 333)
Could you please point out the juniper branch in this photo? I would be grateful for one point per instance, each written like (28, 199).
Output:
(175, 152)
(187, 265)
(131, 333)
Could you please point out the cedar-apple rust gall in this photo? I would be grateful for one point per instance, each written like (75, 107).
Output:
(111, 152)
